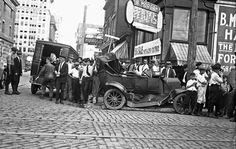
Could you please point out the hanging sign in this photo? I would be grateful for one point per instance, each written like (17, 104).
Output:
(144, 15)
(148, 49)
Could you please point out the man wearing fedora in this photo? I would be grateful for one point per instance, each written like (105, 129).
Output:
(168, 72)
(10, 69)
(17, 73)
(61, 72)
(214, 90)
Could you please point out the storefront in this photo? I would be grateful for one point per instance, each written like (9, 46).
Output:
(175, 31)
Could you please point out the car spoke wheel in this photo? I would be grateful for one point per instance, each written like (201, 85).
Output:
(179, 102)
(114, 99)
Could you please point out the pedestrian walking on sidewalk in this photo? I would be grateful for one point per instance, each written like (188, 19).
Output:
(10, 69)
(61, 78)
(48, 74)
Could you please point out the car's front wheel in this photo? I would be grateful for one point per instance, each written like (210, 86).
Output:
(179, 102)
(114, 99)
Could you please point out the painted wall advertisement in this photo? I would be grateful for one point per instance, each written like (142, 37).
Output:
(225, 38)
(148, 49)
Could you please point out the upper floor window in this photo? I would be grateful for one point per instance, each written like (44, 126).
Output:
(143, 36)
(181, 20)
(10, 31)
(3, 26)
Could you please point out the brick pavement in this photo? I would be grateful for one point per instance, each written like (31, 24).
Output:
(29, 122)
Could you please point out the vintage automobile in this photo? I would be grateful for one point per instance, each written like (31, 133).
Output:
(44, 49)
(119, 88)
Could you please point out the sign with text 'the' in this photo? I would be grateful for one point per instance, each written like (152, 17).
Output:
(225, 38)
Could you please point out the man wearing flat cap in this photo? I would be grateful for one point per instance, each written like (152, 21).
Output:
(214, 90)
(61, 72)
(10, 69)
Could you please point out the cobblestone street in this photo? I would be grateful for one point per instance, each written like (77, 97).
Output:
(29, 122)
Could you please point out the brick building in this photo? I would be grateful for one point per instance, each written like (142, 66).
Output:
(7, 20)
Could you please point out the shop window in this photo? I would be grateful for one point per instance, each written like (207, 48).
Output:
(181, 22)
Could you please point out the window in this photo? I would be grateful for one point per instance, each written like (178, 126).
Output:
(10, 31)
(12, 13)
(181, 22)
(142, 37)
(3, 26)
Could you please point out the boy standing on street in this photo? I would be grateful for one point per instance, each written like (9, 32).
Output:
(191, 95)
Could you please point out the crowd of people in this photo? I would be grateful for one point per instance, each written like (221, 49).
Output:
(77, 81)
(74, 79)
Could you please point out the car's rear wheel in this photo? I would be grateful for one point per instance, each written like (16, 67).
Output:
(114, 99)
(179, 102)
(34, 88)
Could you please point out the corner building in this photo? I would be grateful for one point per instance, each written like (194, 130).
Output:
(170, 41)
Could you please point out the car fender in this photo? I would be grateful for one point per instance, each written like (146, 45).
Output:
(117, 85)
(176, 92)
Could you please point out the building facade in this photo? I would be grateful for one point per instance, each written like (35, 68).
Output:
(169, 40)
(7, 20)
(32, 23)
(88, 40)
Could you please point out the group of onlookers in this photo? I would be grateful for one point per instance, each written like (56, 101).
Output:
(209, 88)
(74, 79)
(152, 69)
(206, 87)
(13, 71)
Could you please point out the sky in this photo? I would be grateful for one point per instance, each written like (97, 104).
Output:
(71, 13)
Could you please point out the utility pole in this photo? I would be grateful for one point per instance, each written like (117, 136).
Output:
(83, 32)
(192, 37)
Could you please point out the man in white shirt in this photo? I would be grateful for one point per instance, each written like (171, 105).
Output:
(142, 68)
(69, 79)
(87, 80)
(214, 90)
(191, 95)
(76, 82)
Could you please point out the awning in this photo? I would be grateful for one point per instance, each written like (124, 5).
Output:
(121, 50)
(181, 53)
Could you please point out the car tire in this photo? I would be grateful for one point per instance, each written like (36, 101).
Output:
(114, 99)
(34, 89)
(178, 103)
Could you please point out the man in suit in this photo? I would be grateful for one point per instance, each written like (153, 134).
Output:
(9, 69)
(17, 73)
(61, 78)
(168, 72)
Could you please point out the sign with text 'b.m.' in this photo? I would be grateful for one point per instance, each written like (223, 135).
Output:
(225, 39)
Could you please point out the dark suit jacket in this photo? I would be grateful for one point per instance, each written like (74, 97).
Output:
(172, 73)
(63, 72)
(17, 66)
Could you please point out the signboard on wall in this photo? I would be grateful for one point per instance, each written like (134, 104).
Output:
(144, 15)
(225, 38)
(148, 49)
